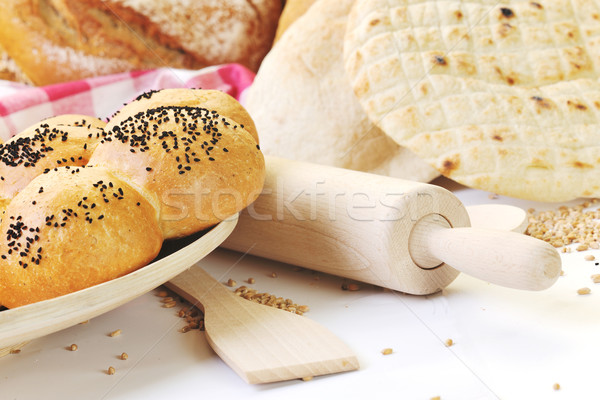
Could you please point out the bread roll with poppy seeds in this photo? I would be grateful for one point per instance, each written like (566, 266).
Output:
(54, 142)
(158, 171)
(199, 164)
(71, 228)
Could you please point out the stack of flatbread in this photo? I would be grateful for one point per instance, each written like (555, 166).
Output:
(305, 109)
(499, 96)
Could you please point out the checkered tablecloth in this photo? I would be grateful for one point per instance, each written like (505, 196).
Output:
(22, 105)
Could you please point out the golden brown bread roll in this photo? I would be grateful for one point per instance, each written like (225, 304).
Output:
(210, 99)
(200, 165)
(72, 228)
(61, 40)
(54, 142)
(76, 226)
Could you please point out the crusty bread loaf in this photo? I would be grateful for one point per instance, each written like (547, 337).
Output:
(156, 173)
(54, 142)
(9, 71)
(60, 40)
(201, 166)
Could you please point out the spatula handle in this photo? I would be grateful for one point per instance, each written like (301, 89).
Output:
(359, 226)
(200, 289)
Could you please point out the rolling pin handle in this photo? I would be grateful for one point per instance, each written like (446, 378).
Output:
(504, 258)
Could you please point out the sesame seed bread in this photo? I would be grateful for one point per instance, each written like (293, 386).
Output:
(61, 40)
(503, 97)
(54, 142)
(200, 164)
(305, 108)
(72, 228)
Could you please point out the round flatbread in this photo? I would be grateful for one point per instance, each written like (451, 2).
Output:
(304, 108)
(502, 97)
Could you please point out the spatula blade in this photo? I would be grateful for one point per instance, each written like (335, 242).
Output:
(261, 343)
(275, 345)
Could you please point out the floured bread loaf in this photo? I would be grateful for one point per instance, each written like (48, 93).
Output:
(9, 70)
(502, 97)
(305, 109)
(61, 40)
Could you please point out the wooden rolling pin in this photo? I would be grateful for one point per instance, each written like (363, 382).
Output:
(407, 236)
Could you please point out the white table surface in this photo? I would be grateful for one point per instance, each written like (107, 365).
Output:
(508, 344)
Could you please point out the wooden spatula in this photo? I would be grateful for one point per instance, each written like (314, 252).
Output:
(261, 343)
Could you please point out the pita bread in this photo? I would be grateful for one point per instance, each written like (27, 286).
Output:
(304, 108)
(501, 97)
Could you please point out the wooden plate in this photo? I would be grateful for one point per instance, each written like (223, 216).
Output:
(22, 324)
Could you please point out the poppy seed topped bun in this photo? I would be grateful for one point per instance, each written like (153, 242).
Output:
(191, 149)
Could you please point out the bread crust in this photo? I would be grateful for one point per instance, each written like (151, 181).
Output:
(199, 165)
(72, 228)
(161, 169)
(61, 40)
(54, 142)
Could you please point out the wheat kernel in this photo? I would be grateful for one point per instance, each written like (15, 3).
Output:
(353, 287)
(73, 347)
(584, 290)
(111, 371)
(124, 356)
(115, 333)
(185, 329)
(556, 386)
(449, 342)
(170, 304)
(387, 351)
(589, 257)
(231, 283)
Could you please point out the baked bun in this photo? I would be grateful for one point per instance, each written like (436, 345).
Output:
(61, 40)
(209, 99)
(158, 171)
(53, 142)
(72, 228)
(199, 163)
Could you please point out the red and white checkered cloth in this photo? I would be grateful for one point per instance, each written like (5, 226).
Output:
(21, 106)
